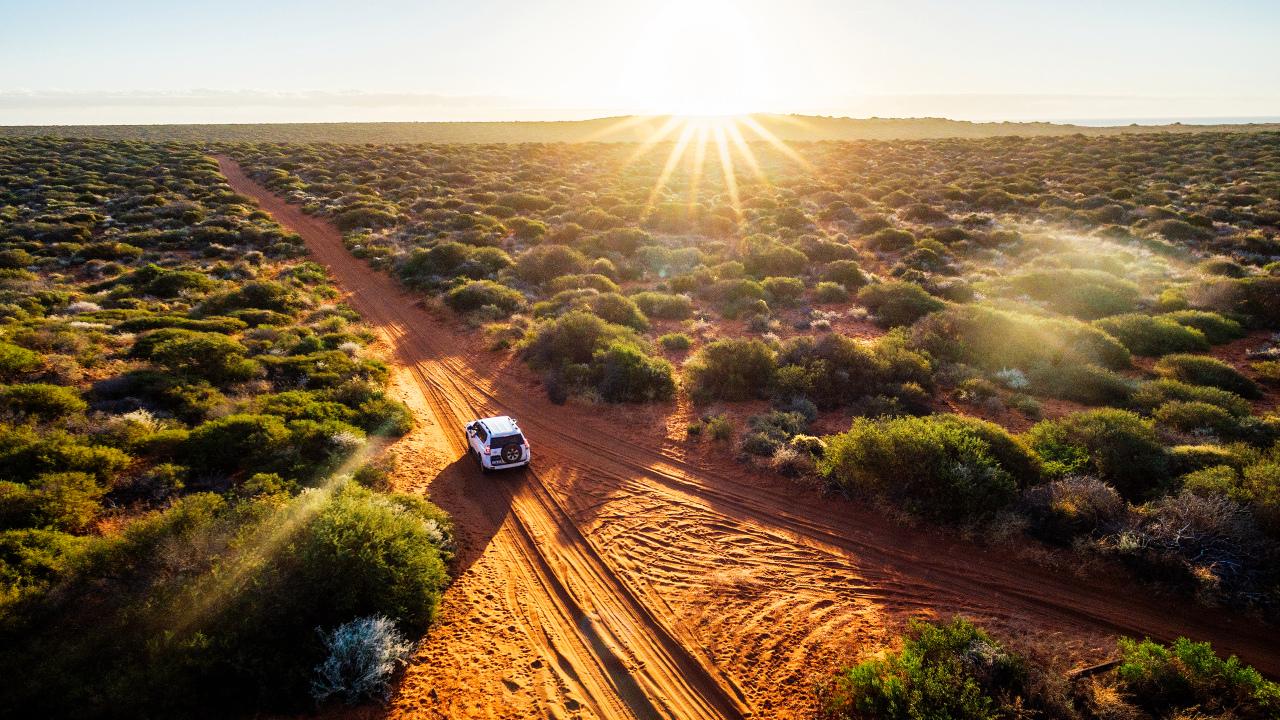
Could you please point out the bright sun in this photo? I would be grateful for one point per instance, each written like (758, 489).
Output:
(697, 58)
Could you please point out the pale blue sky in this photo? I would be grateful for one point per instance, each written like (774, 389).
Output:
(145, 61)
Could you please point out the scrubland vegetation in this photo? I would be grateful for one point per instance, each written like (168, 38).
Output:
(1067, 339)
(185, 522)
(1062, 337)
(956, 670)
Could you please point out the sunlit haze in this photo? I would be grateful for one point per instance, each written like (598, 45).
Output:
(77, 62)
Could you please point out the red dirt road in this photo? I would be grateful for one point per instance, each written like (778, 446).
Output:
(628, 575)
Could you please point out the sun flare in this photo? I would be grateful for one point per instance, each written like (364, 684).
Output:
(699, 140)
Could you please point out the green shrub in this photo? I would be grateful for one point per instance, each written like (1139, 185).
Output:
(237, 442)
(619, 310)
(1256, 298)
(1268, 371)
(898, 303)
(1151, 395)
(1153, 336)
(257, 295)
(947, 468)
(476, 294)
(198, 620)
(994, 340)
(844, 272)
(572, 338)
(599, 283)
(665, 306)
(890, 239)
(675, 342)
(1084, 383)
(41, 401)
(26, 452)
(833, 370)
(364, 217)
(772, 430)
(15, 361)
(1083, 293)
(31, 560)
(1117, 446)
(211, 356)
(830, 293)
(732, 370)
(624, 373)
(1196, 416)
(66, 501)
(545, 263)
(783, 291)
(1203, 370)
(954, 671)
(1216, 328)
(776, 260)
(579, 350)
(1189, 677)
(426, 267)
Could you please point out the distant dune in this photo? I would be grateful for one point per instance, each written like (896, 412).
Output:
(618, 129)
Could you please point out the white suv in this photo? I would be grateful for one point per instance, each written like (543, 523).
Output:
(497, 443)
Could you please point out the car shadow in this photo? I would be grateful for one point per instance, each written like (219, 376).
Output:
(478, 503)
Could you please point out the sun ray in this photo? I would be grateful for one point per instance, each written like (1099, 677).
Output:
(773, 140)
(735, 134)
(658, 136)
(726, 169)
(623, 123)
(699, 159)
(673, 159)
(213, 589)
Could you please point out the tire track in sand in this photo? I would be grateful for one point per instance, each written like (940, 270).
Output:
(763, 586)
(620, 657)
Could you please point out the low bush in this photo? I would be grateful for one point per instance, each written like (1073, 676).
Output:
(1193, 417)
(948, 468)
(829, 293)
(675, 342)
(1083, 383)
(665, 306)
(995, 340)
(1062, 510)
(771, 431)
(593, 281)
(1083, 293)
(625, 373)
(197, 620)
(1116, 446)
(783, 291)
(477, 294)
(362, 656)
(40, 401)
(731, 370)
(1188, 677)
(1216, 328)
(844, 272)
(898, 303)
(237, 442)
(1153, 335)
(1150, 395)
(545, 263)
(580, 351)
(1257, 299)
(954, 671)
(1204, 370)
(16, 360)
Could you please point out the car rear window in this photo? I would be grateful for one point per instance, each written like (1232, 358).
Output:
(506, 440)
